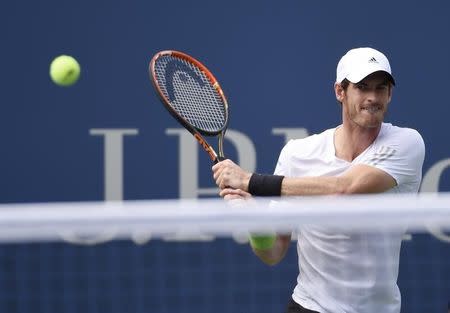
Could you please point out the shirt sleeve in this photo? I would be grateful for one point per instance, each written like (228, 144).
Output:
(282, 167)
(400, 154)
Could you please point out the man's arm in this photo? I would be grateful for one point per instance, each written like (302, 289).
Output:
(234, 181)
(358, 179)
(277, 252)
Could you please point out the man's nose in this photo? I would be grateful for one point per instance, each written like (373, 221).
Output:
(372, 95)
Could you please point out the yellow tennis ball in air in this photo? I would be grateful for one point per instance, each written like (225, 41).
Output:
(64, 70)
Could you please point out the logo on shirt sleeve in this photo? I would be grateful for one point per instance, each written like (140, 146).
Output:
(384, 153)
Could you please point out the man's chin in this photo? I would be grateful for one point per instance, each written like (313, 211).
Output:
(370, 124)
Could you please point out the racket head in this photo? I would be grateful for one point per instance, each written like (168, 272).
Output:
(190, 92)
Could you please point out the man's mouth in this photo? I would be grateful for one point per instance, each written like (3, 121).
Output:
(372, 109)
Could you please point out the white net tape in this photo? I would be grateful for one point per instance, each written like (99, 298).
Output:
(130, 219)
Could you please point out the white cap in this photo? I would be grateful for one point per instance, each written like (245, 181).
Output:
(358, 63)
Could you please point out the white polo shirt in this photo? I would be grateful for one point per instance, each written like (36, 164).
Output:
(343, 271)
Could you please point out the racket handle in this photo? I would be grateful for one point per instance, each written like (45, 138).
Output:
(219, 159)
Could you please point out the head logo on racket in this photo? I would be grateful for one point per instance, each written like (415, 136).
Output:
(193, 96)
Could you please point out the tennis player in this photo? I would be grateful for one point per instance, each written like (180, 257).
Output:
(342, 271)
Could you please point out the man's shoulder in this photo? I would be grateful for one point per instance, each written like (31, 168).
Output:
(311, 140)
(404, 142)
(311, 145)
(399, 134)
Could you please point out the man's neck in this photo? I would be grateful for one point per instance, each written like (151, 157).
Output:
(351, 140)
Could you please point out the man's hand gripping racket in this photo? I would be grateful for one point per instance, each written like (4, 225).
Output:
(192, 96)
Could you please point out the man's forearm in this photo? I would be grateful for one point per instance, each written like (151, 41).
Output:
(358, 180)
(309, 186)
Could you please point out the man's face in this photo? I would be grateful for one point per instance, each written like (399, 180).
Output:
(365, 103)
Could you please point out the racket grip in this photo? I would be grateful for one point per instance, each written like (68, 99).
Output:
(219, 159)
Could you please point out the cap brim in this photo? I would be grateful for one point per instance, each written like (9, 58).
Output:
(357, 77)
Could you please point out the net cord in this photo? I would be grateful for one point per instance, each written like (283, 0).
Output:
(50, 221)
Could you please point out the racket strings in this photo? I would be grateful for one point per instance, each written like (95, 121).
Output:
(190, 93)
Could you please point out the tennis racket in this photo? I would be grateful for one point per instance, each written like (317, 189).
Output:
(192, 96)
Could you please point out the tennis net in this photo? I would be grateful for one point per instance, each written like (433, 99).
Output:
(193, 256)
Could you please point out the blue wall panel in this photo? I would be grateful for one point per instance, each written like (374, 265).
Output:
(275, 60)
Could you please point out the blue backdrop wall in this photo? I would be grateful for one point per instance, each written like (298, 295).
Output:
(276, 61)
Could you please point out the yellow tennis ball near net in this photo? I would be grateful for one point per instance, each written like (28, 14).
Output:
(64, 70)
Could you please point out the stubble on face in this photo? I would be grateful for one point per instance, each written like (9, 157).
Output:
(365, 103)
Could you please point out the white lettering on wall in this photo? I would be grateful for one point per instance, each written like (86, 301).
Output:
(188, 160)
(113, 156)
(430, 183)
(113, 182)
(291, 133)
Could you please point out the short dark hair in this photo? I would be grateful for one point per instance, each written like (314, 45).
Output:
(344, 84)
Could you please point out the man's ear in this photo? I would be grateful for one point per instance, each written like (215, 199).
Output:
(390, 93)
(339, 91)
